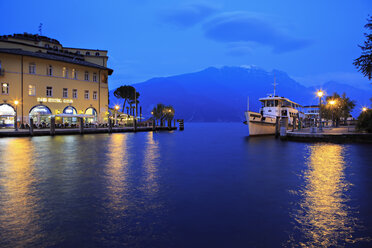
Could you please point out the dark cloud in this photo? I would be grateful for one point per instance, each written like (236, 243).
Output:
(188, 15)
(243, 27)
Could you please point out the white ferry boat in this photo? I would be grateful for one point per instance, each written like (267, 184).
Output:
(273, 108)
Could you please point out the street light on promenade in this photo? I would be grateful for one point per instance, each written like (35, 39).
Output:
(320, 94)
(116, 113)
(364, 109)
(16, 116)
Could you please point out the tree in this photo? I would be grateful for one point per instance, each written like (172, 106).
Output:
(341, 108)
(364, 62)
(364, 122)
(157, 112)
(126, 92)
(162, 113)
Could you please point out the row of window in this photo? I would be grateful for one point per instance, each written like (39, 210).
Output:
(77, 52)
(49, 91)
(65, 72)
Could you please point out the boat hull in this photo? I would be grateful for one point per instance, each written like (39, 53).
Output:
(259, 125)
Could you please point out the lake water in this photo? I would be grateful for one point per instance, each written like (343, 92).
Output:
(208, 186)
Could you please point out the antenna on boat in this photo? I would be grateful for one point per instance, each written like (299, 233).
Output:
(248, 104)
(275, 84)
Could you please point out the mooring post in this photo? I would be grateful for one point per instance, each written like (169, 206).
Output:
(81, 125)
(31, 127)
(294, 123)
(181, 124)
(277, 127)
(52, 126)
(110, 125)
(283, 126)
(153, 125)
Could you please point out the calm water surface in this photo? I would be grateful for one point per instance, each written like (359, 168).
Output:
(208, 186)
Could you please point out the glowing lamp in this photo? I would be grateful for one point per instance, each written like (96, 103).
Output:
(332, 102)
(16, 102)
(117, 107)
(364, 109)
(320, 93)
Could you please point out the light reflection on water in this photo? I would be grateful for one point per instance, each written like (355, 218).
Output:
(151, 163)
(19, 215)
(117, 173)
(323, 217)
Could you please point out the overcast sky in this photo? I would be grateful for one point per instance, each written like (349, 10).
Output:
(313, 41)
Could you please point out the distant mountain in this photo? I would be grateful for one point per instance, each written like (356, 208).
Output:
(220, 94)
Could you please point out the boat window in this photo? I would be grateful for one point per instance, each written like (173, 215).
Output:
(270, 103)
(276, 103)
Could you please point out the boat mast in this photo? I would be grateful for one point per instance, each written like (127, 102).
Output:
(248, 104)
(274, 84)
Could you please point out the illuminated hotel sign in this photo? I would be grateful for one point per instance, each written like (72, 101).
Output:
(55, 100)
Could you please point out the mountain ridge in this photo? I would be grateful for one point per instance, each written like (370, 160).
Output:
(220, 94)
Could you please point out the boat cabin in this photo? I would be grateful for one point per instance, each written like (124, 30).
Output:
(275, 106)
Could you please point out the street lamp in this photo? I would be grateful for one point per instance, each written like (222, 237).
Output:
(364, 109)
(116, 113)
(16, 116)
(332, 102)
(320, 94)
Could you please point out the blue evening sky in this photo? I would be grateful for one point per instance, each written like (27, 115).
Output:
(313, 41)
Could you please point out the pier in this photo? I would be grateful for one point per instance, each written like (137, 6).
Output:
(334, 135)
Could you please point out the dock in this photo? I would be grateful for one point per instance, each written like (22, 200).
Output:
(333, 135)
(72, 131)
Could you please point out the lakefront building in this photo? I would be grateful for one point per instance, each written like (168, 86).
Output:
(40, 78)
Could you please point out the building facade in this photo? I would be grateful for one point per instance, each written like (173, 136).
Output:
(39, 78)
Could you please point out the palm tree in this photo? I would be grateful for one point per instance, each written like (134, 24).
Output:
(157, 112)
(162, 113)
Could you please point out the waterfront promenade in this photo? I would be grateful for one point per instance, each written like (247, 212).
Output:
(338, 135)
(68, 131)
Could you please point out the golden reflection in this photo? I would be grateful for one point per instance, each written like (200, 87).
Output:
(150, 162)
(324, 218)
(117, 171)
(18, 216)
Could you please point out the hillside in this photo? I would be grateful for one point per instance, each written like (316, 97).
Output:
(220, 94)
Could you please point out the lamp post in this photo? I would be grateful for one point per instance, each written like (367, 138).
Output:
(116, 113)
(320, 94)
(332, 102)
(16, 116)
(364, 109)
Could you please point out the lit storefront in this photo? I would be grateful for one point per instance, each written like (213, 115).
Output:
(40, 114)
(92, 112)
(7, 115)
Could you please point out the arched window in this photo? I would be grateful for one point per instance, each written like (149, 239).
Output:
(97, 53)
(87, 53)
(40, 114)
(93, 112)
(7, 114)
(6, 109)
(70, 110)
